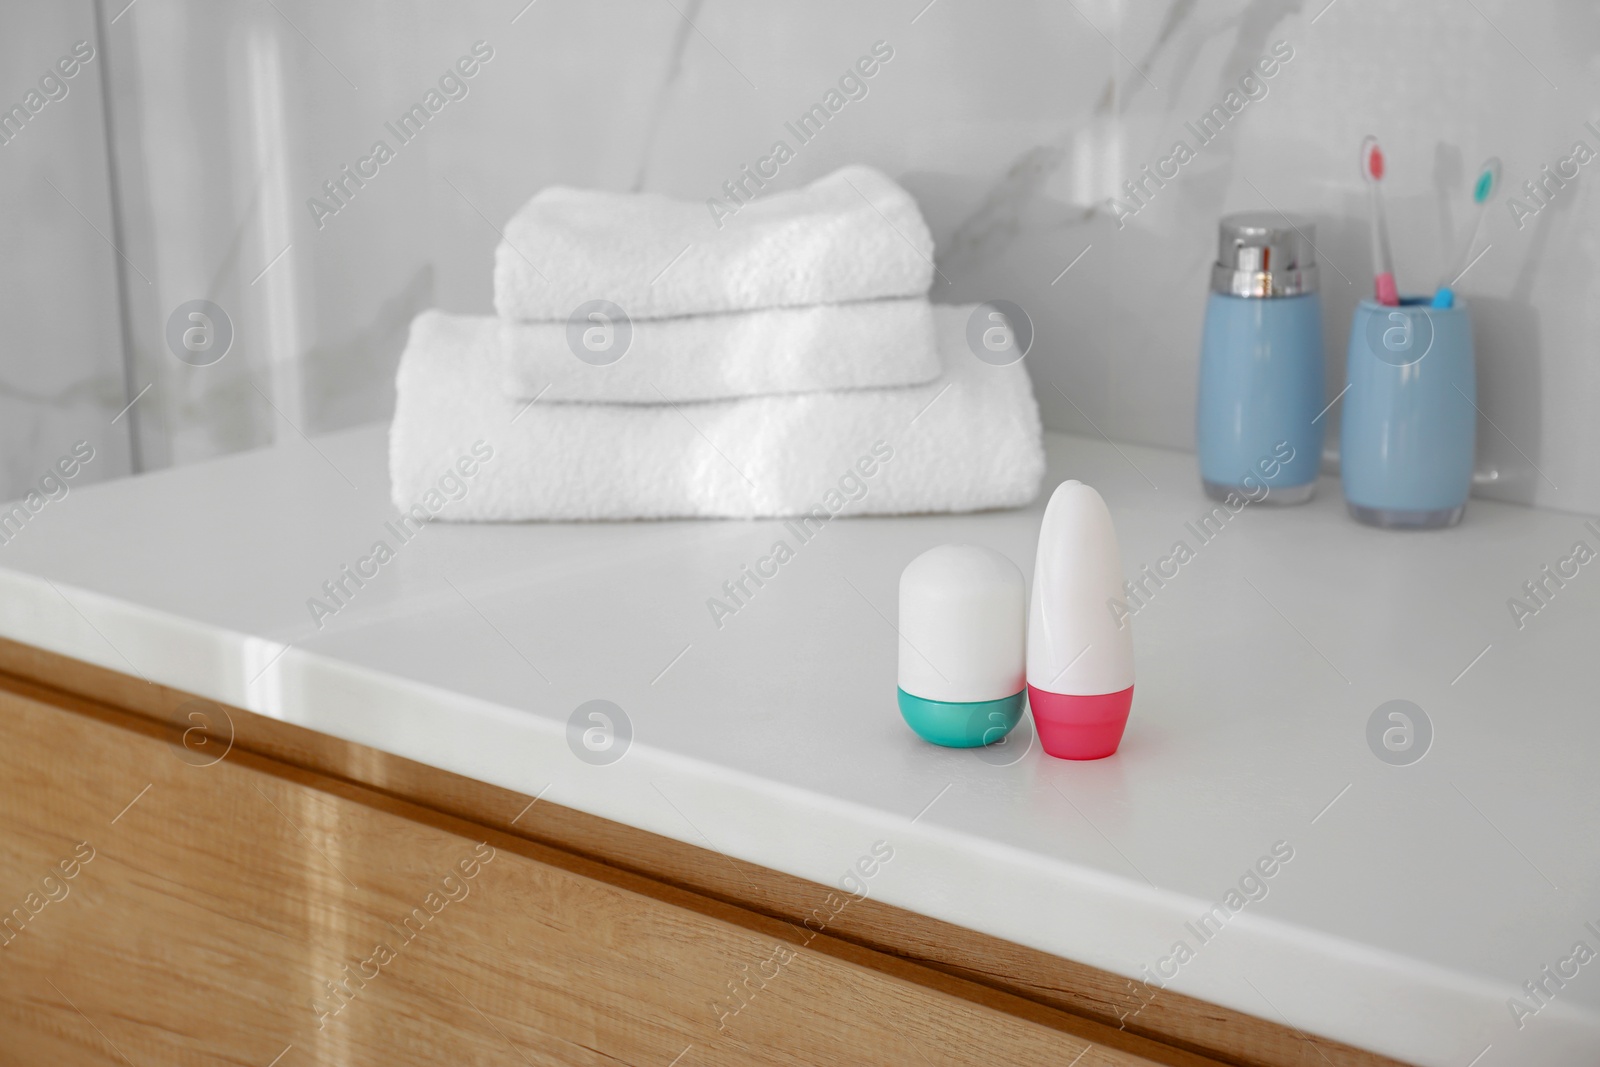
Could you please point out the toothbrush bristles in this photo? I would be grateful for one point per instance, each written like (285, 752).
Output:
(1371, 159)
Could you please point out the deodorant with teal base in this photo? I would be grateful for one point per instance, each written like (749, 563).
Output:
(962, 623)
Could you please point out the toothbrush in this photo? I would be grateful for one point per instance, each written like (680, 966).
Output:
(1382, 262)
(1482, 191)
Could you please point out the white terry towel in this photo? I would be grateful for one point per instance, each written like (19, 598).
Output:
(853, 235)
(969, 440)
(870, 343)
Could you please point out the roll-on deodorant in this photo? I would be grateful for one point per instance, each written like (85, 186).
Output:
(1080, 650)
(962, 619)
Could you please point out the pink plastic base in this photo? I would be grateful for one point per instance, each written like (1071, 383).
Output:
(1080, 727)
(1383, 285)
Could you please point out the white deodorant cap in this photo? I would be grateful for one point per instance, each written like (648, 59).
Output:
(961, 625)
(1076, 645)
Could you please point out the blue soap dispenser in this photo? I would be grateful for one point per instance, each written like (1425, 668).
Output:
(1258, 427)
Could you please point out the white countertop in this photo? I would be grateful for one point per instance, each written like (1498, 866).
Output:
(1413, 908)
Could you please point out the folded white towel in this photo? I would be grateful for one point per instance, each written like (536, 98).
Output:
(870, 343)
(853, 235)
(969, 440)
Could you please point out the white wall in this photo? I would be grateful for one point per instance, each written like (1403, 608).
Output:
(1014, 123)
(60, 355)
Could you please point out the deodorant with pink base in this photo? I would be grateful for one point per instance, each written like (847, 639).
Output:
(1080, 651)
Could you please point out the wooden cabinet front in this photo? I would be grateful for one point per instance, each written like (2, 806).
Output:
(166, 907)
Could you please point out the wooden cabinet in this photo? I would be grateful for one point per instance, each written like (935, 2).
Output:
(278, 898)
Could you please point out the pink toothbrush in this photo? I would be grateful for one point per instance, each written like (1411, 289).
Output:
(1382, 262)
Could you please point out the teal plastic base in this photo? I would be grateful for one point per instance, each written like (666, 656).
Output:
(973, 725)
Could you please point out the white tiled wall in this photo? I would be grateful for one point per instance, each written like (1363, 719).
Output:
(61, 378)
(1014, 123)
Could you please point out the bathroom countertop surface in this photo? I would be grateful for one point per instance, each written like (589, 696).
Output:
(1418, 899)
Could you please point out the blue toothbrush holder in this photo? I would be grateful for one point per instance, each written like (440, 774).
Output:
(1410, 419)
(1261, 390)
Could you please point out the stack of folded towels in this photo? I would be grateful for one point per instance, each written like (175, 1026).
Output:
(647, 363)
